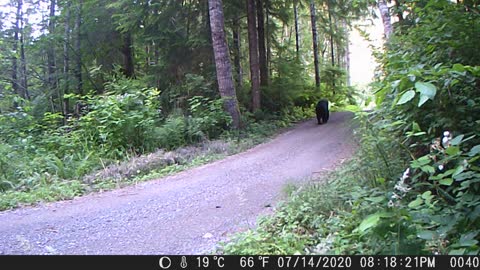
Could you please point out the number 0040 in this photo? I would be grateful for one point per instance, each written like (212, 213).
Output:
(464, 262)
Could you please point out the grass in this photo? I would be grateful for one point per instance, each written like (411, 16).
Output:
(307, 222)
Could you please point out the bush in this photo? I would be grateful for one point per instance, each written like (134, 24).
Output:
(209, 116)
(121, 120)
(172, 133)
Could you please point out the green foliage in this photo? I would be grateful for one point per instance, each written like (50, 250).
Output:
(122, 119)
(446, 185)
(426, 120)
(335, 88)
(178, 96)
(287, 87)
(208, 116)
(429, 86)
(172, 133)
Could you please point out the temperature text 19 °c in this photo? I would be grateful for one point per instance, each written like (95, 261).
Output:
(215, 261)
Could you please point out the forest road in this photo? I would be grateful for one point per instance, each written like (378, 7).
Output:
(187, 213)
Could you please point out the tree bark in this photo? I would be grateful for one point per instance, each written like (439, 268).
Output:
(222, 62)
(262, 51)
(51, 67)
(237, 56)
(78, 47)
(127, 50)
(15, 84)
(23, 60)
(66, 61)
(347, 59)
(253, 53)
(315, 43)
(267, 33)
(297, 41)
(332, 46)
(332, 43)
(385, 14)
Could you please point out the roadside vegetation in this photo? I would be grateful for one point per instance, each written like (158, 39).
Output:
(414, 185)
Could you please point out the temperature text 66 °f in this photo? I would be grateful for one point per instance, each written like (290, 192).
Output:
(253, 261)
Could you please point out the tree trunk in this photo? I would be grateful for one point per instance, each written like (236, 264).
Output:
(222, 62)
(51, 69)
(253, 53)
(297, 41)
(78, 47)
(347, 59)
(237, 56)
(157, 58)
(66, 61)
(23, 59)
(262, 51)
(127, 50)
(315, 43)
(15, 84)
(332, 44)
(147, 57)
(385, 14)
(267, 33)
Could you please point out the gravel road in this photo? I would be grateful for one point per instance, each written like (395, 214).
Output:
(187, 213)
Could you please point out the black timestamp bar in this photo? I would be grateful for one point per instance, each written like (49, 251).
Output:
(237, 262)
(253, 262)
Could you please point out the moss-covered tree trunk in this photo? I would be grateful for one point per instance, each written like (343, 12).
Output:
(222, 61)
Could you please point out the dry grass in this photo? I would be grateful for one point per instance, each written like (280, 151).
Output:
(141, 165)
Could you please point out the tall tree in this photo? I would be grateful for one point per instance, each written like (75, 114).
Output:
(268, 36)
(23, 59)
(332, 43)
(127, 50)
(386, 20)
(66, 60)
(222, 61)
(315, 43)
(297, 41)
(237, 52)
(19, 73)
(51, 67)
(16, 30)
(262, 50)
(78, 51)
(253, 53)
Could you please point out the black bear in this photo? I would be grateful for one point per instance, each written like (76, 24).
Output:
(322, 111)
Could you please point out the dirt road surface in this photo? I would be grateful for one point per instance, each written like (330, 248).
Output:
(187, 213)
